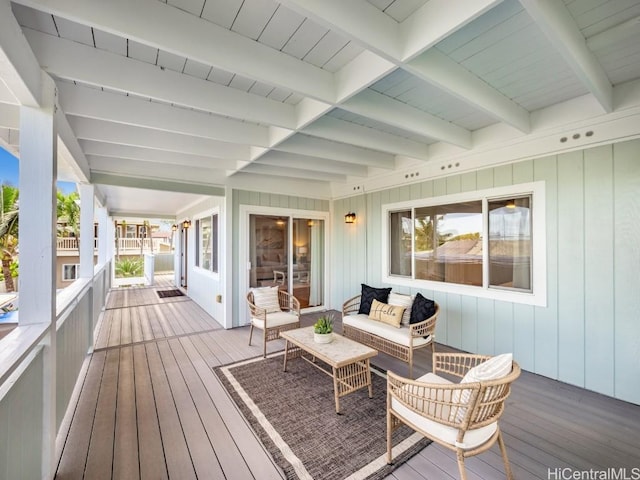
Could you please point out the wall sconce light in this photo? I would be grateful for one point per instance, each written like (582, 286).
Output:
(186, 224)
(350, 218)
(511, 204)
(174, 227)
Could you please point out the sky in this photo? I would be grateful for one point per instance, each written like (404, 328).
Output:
(9, 171)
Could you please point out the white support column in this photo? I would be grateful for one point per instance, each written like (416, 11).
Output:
(228, 300)
(86, 230)
(38, 173)
(104, 240)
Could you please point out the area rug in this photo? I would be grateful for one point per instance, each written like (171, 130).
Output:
(169, 293)
(293, 414)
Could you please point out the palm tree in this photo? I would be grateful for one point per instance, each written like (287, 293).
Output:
(68, 210)
(9, 217)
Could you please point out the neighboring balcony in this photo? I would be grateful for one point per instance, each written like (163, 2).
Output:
(126, 246)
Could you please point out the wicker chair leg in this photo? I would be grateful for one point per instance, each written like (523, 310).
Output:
(463, 471)
(389, 462)
(264, 344)
(505, 458)
(250, 334)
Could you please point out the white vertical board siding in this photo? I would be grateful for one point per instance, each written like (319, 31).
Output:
(22, 422)
(571, 266)
(589, 332)
(626, 184)
(546, 319)
(599, 313)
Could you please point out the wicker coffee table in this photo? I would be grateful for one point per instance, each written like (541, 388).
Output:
(349, 360)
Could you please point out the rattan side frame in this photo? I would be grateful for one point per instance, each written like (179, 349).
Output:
(443, 403)
(288, 303)
(401, 352)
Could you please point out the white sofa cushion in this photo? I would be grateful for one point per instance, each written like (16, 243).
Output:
(275, 320)
(396, 335)
(444, 433)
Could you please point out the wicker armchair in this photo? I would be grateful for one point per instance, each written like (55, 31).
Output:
(461, 417)
(273, 323)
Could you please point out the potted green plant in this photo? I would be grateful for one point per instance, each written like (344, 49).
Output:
(323, 329)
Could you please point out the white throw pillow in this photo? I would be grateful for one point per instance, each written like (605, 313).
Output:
(267, 298)
(492, 369)
(405, 301)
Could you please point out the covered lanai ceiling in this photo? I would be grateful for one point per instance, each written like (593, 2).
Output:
(320, 97)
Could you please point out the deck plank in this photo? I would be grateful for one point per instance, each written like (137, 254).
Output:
(100, 457)
(125, 454)
(176, 453)
(150, 449)
(74, 454)
(203, 456)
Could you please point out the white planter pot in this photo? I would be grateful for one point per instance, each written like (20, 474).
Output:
(322, 337)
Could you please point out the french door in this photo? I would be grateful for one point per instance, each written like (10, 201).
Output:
(288, 252)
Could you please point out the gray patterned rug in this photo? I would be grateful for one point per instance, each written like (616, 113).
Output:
(293, 414)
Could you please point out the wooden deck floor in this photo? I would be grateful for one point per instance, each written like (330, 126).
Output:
(150, 407)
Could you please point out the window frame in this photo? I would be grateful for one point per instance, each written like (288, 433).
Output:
(214, 261)
(538, 294)
(76, 270)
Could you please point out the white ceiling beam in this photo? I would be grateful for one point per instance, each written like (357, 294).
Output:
(262, 169)
(356, 19)
(442, 72)
(18, 65)
(77, 160)
(92, 103)
(88, 129)
(315, 164)
(436, 20)
(100, 149)
(168, 28)
(331, 128)
(555, 20)
(364, 70)
(341, 152)
(74, 61)
(9, 116)
(155, 184)
(6, 96)
(123, 166)
(387, 110)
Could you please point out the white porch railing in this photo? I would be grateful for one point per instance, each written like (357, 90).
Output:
(125, 245)
(25, 443)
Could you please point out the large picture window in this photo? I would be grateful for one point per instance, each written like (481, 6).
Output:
(207, 243)
(484, 240)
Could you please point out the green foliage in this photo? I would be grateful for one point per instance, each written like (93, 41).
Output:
(324, 324)
(68, 211)
(14, 268)
(129, 267)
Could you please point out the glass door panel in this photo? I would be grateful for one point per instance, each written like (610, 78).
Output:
(307, 273)
(268, 251)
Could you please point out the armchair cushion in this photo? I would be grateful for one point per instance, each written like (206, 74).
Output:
(405, 301)
(275, 320)
(389, 314)
(368, 294)
(421, 309)
(267, 298)
(445, 433)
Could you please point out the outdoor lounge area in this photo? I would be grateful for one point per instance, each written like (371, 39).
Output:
(476, 158)
(150, 406)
